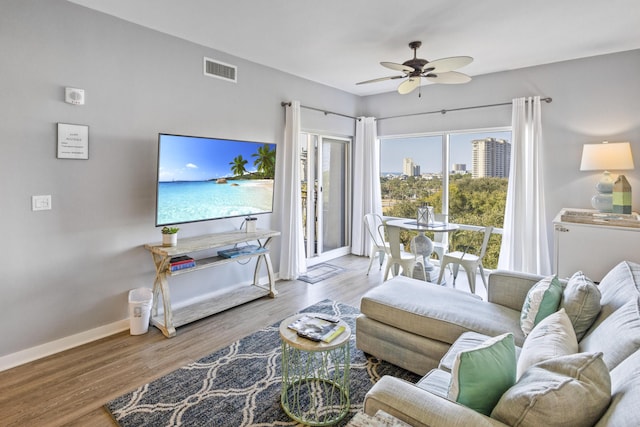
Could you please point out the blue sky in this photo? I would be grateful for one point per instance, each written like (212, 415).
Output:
(184, 158)
(426, 151)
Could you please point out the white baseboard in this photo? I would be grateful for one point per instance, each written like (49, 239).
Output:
(38, 352)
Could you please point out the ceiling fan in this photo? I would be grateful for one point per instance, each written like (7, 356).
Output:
(438, 71)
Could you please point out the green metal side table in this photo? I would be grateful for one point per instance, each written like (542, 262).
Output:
(315, 376)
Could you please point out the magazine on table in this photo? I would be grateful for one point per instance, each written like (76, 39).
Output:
(317, 329)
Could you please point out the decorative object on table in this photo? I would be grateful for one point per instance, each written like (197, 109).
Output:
(250, 224)
(210, 389)
(586, 217)
(622, 195)
(170, 236)
(425, 215)
(317, 328)
(606, 157)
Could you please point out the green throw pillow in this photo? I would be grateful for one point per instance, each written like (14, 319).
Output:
(481, 375)
(542, 300)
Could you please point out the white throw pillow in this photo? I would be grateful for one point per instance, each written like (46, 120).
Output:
(572, 390)
(581, 300)
(552, 337)
(542, 300)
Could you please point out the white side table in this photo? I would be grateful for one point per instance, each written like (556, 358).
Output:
(315, 376)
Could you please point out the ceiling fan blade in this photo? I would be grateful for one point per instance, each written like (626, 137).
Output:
(408, 85)
(451, 78)
(381, 79)
(448, 64)
(398, 67)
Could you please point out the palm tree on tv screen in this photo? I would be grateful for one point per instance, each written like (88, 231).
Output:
(238, 165)
(265, 161)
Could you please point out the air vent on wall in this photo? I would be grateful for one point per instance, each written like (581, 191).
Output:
(220, 70)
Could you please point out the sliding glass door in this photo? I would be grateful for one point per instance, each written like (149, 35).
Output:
(325, 175)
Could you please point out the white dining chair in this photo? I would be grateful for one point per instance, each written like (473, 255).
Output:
(378, 245)
(440, 240)
(470, 262)
(396, 256)
(420, 261)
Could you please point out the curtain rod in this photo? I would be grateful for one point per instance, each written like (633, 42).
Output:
(547, 100)
(288, 104)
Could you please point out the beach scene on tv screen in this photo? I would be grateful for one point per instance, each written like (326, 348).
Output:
(206, 178)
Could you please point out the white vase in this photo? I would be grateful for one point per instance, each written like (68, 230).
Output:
(170, 239)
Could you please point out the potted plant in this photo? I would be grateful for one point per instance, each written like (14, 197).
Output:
(169, 236)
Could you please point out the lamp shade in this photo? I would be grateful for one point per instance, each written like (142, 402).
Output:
(606, 156)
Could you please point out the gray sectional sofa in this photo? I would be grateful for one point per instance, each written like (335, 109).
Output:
(422, 327)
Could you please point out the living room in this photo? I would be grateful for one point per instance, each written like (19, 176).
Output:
(69, 269)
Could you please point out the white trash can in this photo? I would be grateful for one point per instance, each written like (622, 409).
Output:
(140, 301)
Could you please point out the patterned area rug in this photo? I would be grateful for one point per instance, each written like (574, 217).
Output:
(321, 272)
(240, 385)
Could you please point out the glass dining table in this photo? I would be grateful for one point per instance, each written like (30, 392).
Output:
(423, 244)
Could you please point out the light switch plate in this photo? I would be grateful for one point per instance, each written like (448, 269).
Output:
(41, 203)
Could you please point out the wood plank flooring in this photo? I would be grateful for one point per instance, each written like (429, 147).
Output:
(70, 388)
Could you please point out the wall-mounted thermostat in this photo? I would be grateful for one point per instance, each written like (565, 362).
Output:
(74, 96)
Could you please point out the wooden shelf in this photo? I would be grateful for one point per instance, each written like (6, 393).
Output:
(213, 305)
(168, 320)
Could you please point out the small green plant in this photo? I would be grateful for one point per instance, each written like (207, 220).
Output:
(170, 230)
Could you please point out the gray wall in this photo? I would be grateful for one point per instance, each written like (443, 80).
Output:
(68, 270)
(594, 99)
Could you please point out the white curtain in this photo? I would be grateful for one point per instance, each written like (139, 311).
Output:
(525, 242)
(289, 199)
(366, 182)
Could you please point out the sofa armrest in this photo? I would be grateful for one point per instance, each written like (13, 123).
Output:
(419, 407)
(509, 288)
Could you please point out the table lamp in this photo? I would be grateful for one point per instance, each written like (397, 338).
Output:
(605, 157)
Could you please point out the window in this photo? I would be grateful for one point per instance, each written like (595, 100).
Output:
(461, 174)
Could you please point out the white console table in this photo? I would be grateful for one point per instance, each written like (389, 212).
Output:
(170, 319)
(594, 248)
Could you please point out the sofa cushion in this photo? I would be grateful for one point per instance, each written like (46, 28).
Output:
(552, 337)
(436, 382)
(542, 299)
(437, 312)
(617, 336)
(620, 285)
(625, 394)
(571, 390)
(581, 301)
(467, 341)
(481, 375)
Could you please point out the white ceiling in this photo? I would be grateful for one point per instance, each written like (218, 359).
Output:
(341, 42)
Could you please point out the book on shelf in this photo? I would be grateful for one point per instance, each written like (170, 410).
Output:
(181, 262)
(182, 266)
(317, 329)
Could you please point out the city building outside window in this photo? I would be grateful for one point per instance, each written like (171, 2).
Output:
(461, 174)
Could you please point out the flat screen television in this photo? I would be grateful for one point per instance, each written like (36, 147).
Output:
(201, 179)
